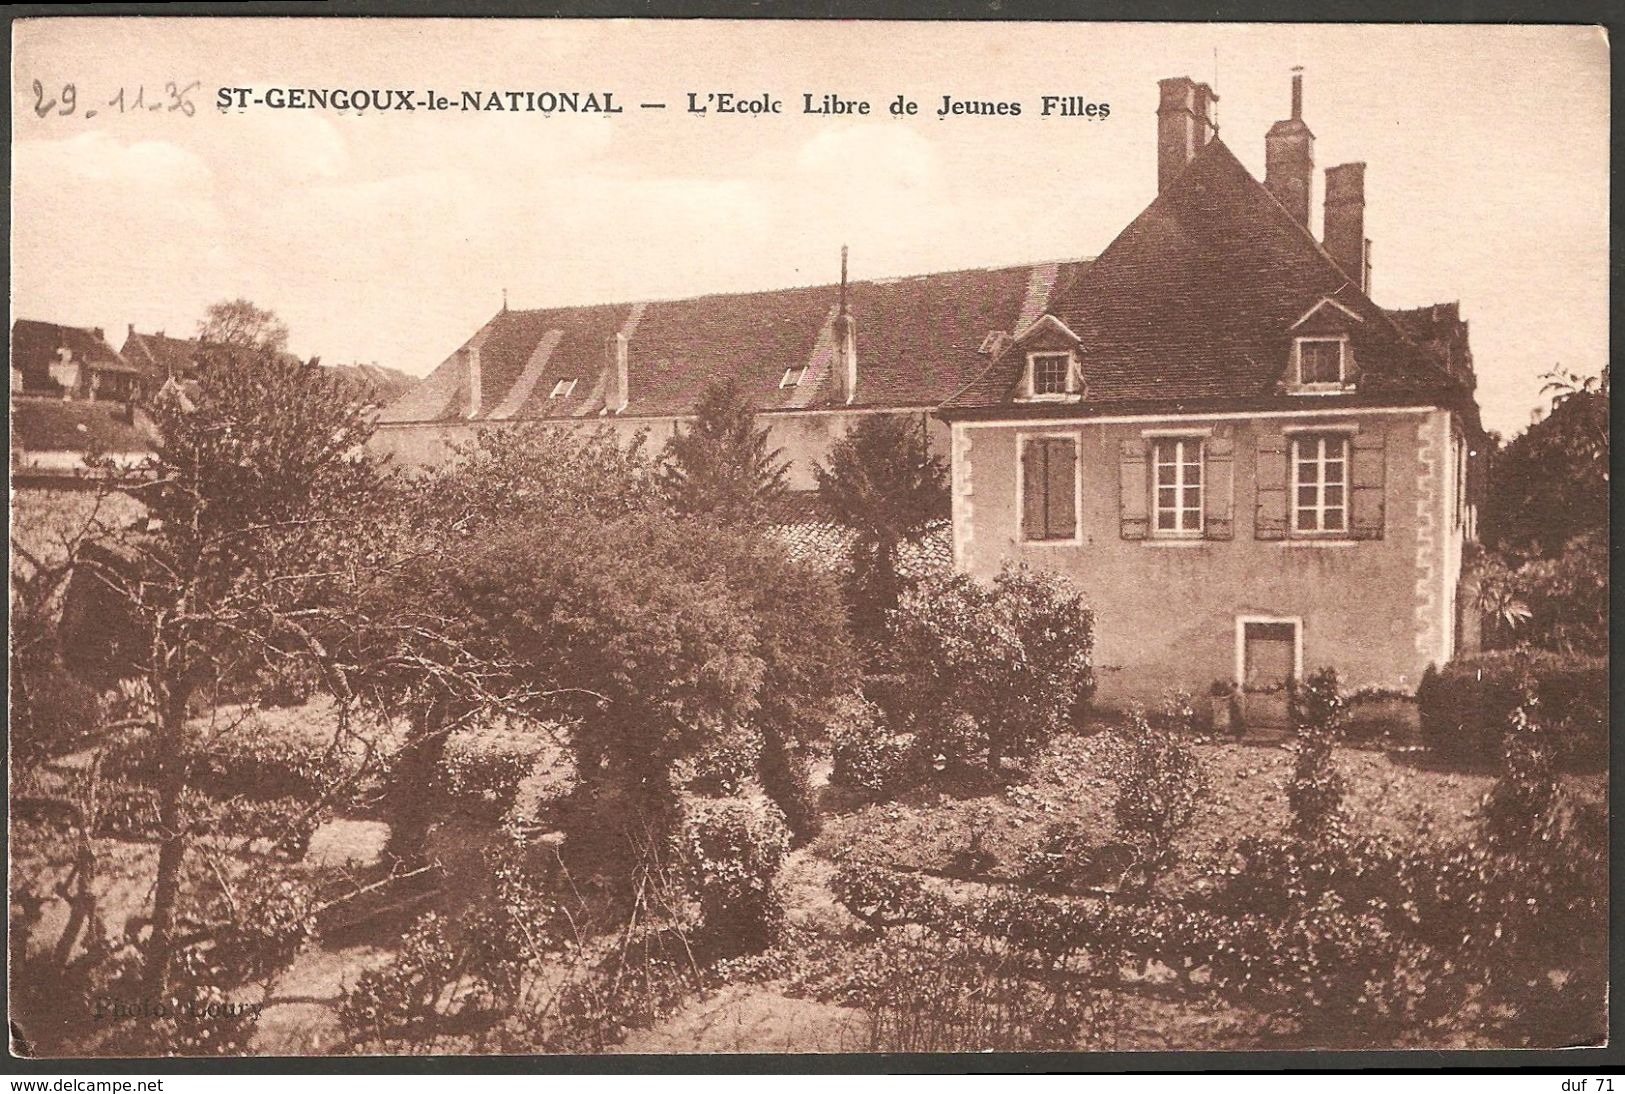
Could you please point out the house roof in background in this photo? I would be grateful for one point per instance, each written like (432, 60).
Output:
(159, 355)
(62, 425)
(1194, 301)
(919, 339)
(34, 346)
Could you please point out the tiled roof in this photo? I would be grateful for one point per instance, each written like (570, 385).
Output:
(1193, 303)
(161, 356)
(61, 425)
(801, 523)
(34, 346)
(158, 355)
(919, 339)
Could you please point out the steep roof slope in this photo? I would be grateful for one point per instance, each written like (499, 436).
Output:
(34, 345)
(919, 339)
(1194, 302)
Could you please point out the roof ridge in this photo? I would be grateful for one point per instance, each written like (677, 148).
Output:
(733, 293)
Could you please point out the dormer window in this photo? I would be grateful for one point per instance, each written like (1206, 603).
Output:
(793, 376)
(563, 388)
(1321, 364)
(1051, 375)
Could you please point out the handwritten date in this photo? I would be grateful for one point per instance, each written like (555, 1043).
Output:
(66, 102)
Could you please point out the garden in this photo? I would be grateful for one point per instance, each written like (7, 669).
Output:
(559, 748)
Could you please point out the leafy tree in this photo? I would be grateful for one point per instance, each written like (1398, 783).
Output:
(1550, 483)
(883, 484)
(987, 668)
(720, 466)
(260, 485)
(511, 472)
(243, 325)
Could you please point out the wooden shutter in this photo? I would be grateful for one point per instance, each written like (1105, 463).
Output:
(1032, 489)
(1368, 481)
(1218, 488)
(1270, 517)
(1133, 491)
(1063, 490)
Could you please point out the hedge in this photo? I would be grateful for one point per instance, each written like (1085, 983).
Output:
(1464, 707)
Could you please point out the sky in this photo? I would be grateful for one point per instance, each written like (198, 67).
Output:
(391, 237)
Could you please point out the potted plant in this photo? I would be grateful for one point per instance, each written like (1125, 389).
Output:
(1226, 711)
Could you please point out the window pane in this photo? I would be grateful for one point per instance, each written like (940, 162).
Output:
(1193, 498)
(1334, 495)
(1308, 472)
(1306, 495)
(1165, 475)
(1165, 519)
(1333, 520)
(1166, 497)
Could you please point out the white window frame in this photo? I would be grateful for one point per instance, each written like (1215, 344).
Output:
(1181, 445)
(563, 389)
(1241, 643)
(1322, 459)
(1076, 440)
(793, 376)
(1070, 389)
(1321, 387)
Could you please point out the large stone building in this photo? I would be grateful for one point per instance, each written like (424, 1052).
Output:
(899, 346)
(1250, 468)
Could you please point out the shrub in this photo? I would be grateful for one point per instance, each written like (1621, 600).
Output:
(1316, 790)
(1464, 707)
(1375, 714)
(53, 712)
(1067, 857)
(724, 765)
(1160, 783)
(867, 755)
(261, 766)
(731, 850)
(998, 668)
(480, 772)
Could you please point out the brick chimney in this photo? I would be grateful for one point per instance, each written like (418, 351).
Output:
(1289, 158)
(471, 357)
(1184, 125)
(615, 377)
(1344, 234)
(845, 374)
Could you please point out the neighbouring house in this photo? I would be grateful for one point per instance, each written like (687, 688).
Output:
(175, 359)
(812, 360)
(1250, 468)
(72, 396)
(51, 360)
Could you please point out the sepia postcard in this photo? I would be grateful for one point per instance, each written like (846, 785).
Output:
(574, 537)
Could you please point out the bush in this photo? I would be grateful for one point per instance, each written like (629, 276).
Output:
(994, 668)
(1316, 790)
(480, 772)
(261, 766)
(1160, 782)
(53, 712)
(724, 765)
(867, 755)
(1376, 714)
(1465, 706)
(731, 850)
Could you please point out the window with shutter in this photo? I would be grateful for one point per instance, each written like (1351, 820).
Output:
(1218, 457)
(1369, 483)
(1132, 493)
(1320, 483)
(1049, 489)
(1269, 519)
(1177, 491)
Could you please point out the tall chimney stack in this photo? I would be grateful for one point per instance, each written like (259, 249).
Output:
(1184, 125)
(1289, 157)
(1344, 234)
